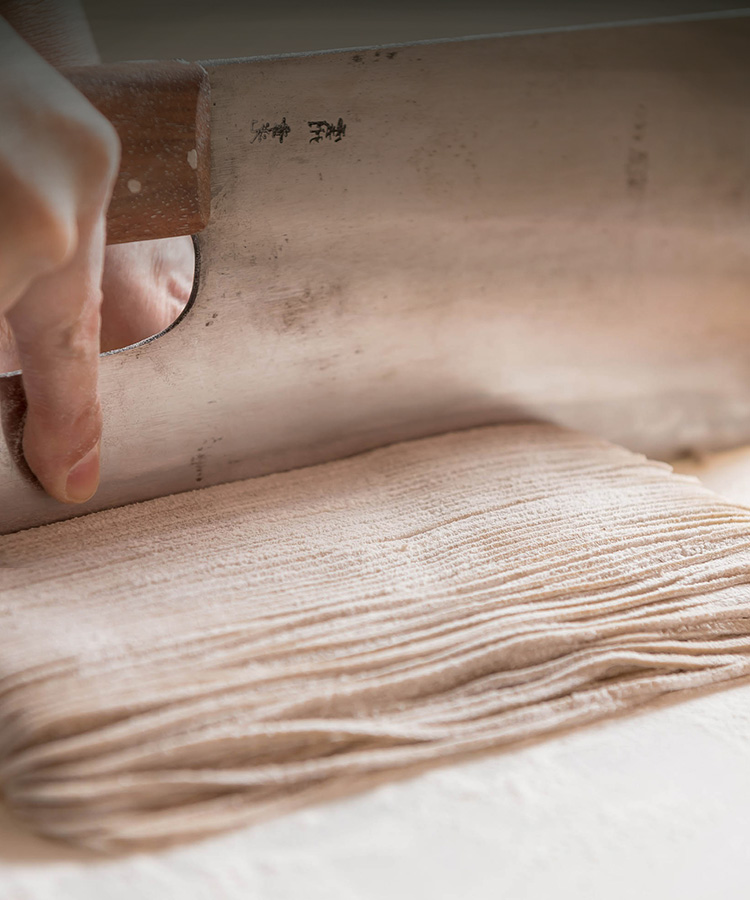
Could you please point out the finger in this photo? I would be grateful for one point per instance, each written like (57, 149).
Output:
(56, 330)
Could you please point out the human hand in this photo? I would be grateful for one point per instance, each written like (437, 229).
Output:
(58, 162)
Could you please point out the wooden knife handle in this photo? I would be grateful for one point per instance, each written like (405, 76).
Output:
(161, 111)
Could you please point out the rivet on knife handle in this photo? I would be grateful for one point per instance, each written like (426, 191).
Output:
(161, 111)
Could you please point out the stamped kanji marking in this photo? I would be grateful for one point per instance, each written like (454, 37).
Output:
(261, 133)
(321, 129)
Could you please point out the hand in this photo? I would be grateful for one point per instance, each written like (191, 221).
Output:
(58, 162)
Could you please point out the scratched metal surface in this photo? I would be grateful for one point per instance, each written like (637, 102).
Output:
(539, 226)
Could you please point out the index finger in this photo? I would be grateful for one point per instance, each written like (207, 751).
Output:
(56, 326)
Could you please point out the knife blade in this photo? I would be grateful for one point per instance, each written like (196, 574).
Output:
(412, 239)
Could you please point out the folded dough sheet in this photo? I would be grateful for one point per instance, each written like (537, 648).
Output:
(206, 660)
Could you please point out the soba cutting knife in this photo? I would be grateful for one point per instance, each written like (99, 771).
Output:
(412, 239)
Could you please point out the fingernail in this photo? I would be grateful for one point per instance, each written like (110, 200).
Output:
(83, 478)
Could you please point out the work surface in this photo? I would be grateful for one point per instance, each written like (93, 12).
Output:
(651, 804)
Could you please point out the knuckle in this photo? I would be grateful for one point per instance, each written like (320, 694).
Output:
(103, 148)
(96, 148)
(58, 189)
(79, 338)
(45, 225)
(60, 239)
(59, 233)
(58, 163)
(55, 229)
(72, 337)
(84, 138)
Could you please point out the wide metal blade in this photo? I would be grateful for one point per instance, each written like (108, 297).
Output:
(415, 239)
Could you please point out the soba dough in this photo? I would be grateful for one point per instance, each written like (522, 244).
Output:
(184, 665)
